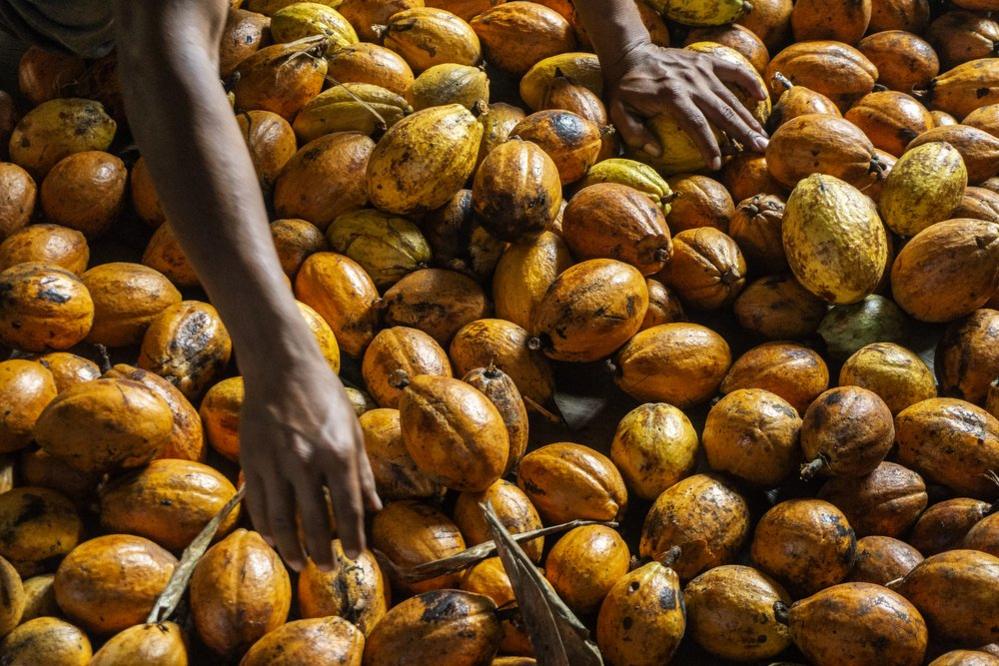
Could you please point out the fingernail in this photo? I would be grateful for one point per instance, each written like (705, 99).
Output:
(352, 553)
(325, 567)
(715, 164)
(760, 144)
(652, 149)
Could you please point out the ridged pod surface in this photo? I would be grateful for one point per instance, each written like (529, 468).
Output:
(109, 583)
(882, 559)
(281, 78)
(834, 240)
(445, 626)
(436, 301)
(950, 442)
(43, 307)
(635, 175)
(38, 526)
(410, 533)
(396, 475)
(513, 508)
(654, 447)
(858, 623)
(884, 502)
(451, 84)
(846, 431)
(894, 373)
(890, 119)
(566, 481)
(497, 123)
(454, 434)
(707, 269)
(150, 644)
(838, 71)
(387, 246)
(501, 390)
(305, 19)
(905, 61)
(364, 15)
(353, 589)
(730, 613)
(608, 220)
(168, 501)
(965, 88)
(955, 592)
(104, 425)
(705, 516)
(517, 35)
(573, 142)
(427, 36)
(350, 107)
(793, 372)
(398, 168)
(923, 188)
(583, 68)
(948, 270)
(239, 591)
(400, 348)
(525, 272)
(365, 62)
(840, 20)
(680, 363)
(824, 144)
(342, 293)
(317, 642)
(517, 191)
(967, 356)
(699, 13)
(57, 128)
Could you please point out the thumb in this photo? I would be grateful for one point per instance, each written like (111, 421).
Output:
(633, 131)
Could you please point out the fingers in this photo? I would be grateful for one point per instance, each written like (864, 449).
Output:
(344, 486)
(315, 522)
(256, 504)
(369, 490)
(692, 121)
(728, 114)
(281, 517)
(633, 131)
(743, 77)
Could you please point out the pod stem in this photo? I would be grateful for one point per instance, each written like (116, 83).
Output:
(670, 557)
(105, 358)
(809, 470)
(662, 255)
(783, 80)
(399, 379)
(534, 343)
(382, 125)
(781, 612)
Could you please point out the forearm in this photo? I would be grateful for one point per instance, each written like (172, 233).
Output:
(186, 131)
(614, 27)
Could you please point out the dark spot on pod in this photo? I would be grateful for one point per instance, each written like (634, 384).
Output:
(626, 623)
(441, 605)
(667, 598)
(53, 296)
(834, 398)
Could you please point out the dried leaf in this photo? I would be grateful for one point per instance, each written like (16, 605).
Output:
(167, 602)
(470, 556)
(558, 637)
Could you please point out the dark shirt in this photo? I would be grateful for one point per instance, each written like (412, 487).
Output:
(82, 27)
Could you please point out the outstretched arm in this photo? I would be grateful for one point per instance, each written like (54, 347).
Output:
(298, 432)
(644, 80)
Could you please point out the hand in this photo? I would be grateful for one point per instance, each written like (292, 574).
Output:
(298, 433)
(648, 80)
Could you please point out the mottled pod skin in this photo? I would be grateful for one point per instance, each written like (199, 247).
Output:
(14, 599)
(885, 502)
(681, 364)
(26, 388)
(405, 349)
(504, 343)
(517, 190)
(835, 242)
(753, 435)
(127, 298)
(239, 591)
(756, 227)
(858, 623)
(806, 544)
(967, 357)
(110, 583)
(449, 627)
(585, 563)
(280, 78)
(436, 301)
(501, 390)
(386, 245)
(47, 640)
(950, 442)
(704, 516)
(513, 508)
(353, 589)
(843, 20)
(794, 372)
(894, 373)
(519, 35)
(965, 658)
(824, 144)
(984, 536)
(978, 148)
(104, 425)
(567, 481)
(344, 295)
(453, 432)
(396, 475)
(923, 188)
(642, 619)
(730, 613)
(890, 119)
(840, 72)
(571, 140)
(944, 525)
(955, 592)
(847, 431)
(69, 369)
(707, 270)
(43, 307)
(57, 128)
(778, 307)
(315, 642)
(188, 345)
(37, 525)
(524, 273)
(904, 60)
(427, 36)
(654, 447)
(882, 559)
(590, 310)
(48, 244)
(412, 533)
(397, 181)
(615, 221)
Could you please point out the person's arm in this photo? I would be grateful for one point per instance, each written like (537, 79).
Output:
(644, 80)
(298, 431)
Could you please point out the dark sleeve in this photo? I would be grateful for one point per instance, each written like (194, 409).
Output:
(82, 27)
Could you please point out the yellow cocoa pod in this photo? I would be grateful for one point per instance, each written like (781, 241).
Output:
(410, 533)
(386, 246)
(352, 589)
(449, 83)
(46, 640)
(699, 13)
(305, 19)
(590, 310)
(513, 508)
(525, 272)
(834, 240)
(642, 618)
(58, 128)
(220, 415)
(566, 481)
(582, 68)
(427, 36)
(655, 446)
(585, 564)
(635, 175)
(443, 141)
(396, 475)
(923, 188)
(350, 107)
